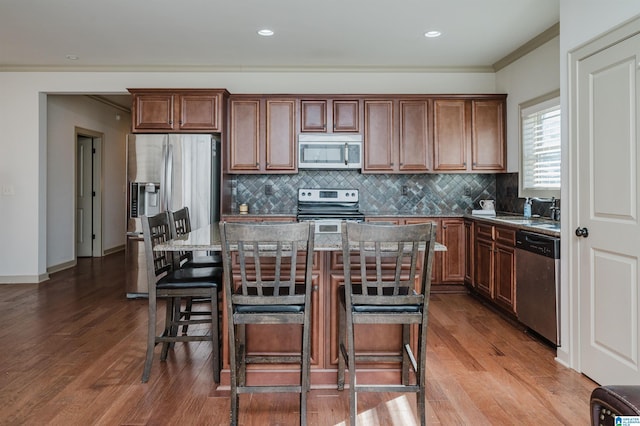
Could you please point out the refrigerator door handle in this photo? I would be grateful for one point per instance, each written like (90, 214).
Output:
(163, 179)
(169, 178)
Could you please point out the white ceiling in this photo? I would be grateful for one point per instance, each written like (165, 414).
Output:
(309, 34)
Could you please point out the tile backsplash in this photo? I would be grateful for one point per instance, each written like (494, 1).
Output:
(507, 197)
(380, 194)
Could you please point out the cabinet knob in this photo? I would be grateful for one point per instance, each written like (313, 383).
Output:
(170, 121)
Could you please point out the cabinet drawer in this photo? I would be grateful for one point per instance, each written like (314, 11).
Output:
(506, 236)
(484, 231)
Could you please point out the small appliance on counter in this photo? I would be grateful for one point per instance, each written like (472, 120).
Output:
(487, 209)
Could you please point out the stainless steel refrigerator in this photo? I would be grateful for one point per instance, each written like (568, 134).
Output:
(167, 172)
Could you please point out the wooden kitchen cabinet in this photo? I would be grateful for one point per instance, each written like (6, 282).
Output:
(329, 115)
(505, 268)
(396, 142)
(413, 135)
(448, 266)
(262, 135)
(494, 263)
(280, 140)
(469, 240)
(451, 134)
(244, 135)
(379, 140)
(488, 150)
(170, 110)
(469, 135)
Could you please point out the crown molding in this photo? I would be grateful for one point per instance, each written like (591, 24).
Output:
(528, 47)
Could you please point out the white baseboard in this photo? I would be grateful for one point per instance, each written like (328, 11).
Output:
(62, 266)
(23, 279)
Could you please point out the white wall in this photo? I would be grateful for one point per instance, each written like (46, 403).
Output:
(533, 75)
(581, 21)
(24, 146)
(64, 115)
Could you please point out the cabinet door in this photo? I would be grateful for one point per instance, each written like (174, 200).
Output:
(281, 135)
(313, 116)
(453, 260)
(436, 267)
(450, 134)
(414, 136)
(488, 149)
(378, 136)
(483, 275)
(199, 112)
(153, 112)
(346, 116)
(505, 259)
(505, 277)
(469, 252)
(244, 138)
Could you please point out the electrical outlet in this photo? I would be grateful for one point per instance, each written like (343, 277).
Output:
(405, 190)
(467, 191)
(268, 190)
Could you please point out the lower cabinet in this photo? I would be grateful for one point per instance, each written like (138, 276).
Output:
(448, 266)
(494, 264)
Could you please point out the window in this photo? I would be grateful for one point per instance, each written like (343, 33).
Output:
(540, 147)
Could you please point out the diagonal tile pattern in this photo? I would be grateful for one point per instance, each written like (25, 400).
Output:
(380, 194)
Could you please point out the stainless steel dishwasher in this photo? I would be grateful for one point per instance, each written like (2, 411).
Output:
(538, 283)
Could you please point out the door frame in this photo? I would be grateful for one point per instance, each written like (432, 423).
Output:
(97, 249)
(570, 325)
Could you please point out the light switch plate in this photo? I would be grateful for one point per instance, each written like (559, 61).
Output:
(8, 189)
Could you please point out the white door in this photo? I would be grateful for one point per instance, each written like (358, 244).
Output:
(84, 197)
(608, 114)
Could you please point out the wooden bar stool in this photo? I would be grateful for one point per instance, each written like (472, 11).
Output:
(173, 284)
(380, 274)
(181, 225)
(272, 286)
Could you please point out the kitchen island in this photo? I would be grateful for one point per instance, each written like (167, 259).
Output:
(327, 277)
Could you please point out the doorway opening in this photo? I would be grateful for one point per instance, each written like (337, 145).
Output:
(88, 211)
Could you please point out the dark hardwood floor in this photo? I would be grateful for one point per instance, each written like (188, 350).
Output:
(73, 351)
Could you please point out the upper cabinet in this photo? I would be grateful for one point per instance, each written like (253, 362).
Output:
(329, 115)
(396, 135)
(262, 134)
(175, 110)
(469, 134)
(379, 136)
(413, 135)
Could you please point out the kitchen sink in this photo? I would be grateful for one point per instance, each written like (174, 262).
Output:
(535, 222)
(553, 226)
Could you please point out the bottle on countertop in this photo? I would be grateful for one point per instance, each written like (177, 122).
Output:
(527, 208)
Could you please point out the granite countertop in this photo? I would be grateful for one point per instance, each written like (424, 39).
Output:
(208, 238)
(539, 225)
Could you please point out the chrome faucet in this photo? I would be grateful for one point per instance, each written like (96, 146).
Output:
(554, 210)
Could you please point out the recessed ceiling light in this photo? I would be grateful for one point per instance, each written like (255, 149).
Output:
(432, 34)
(265, 32)
(72, 57)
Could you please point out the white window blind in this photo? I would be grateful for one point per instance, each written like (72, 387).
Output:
(541, 146)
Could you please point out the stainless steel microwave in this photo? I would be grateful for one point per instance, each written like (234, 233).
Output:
(329, 151)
